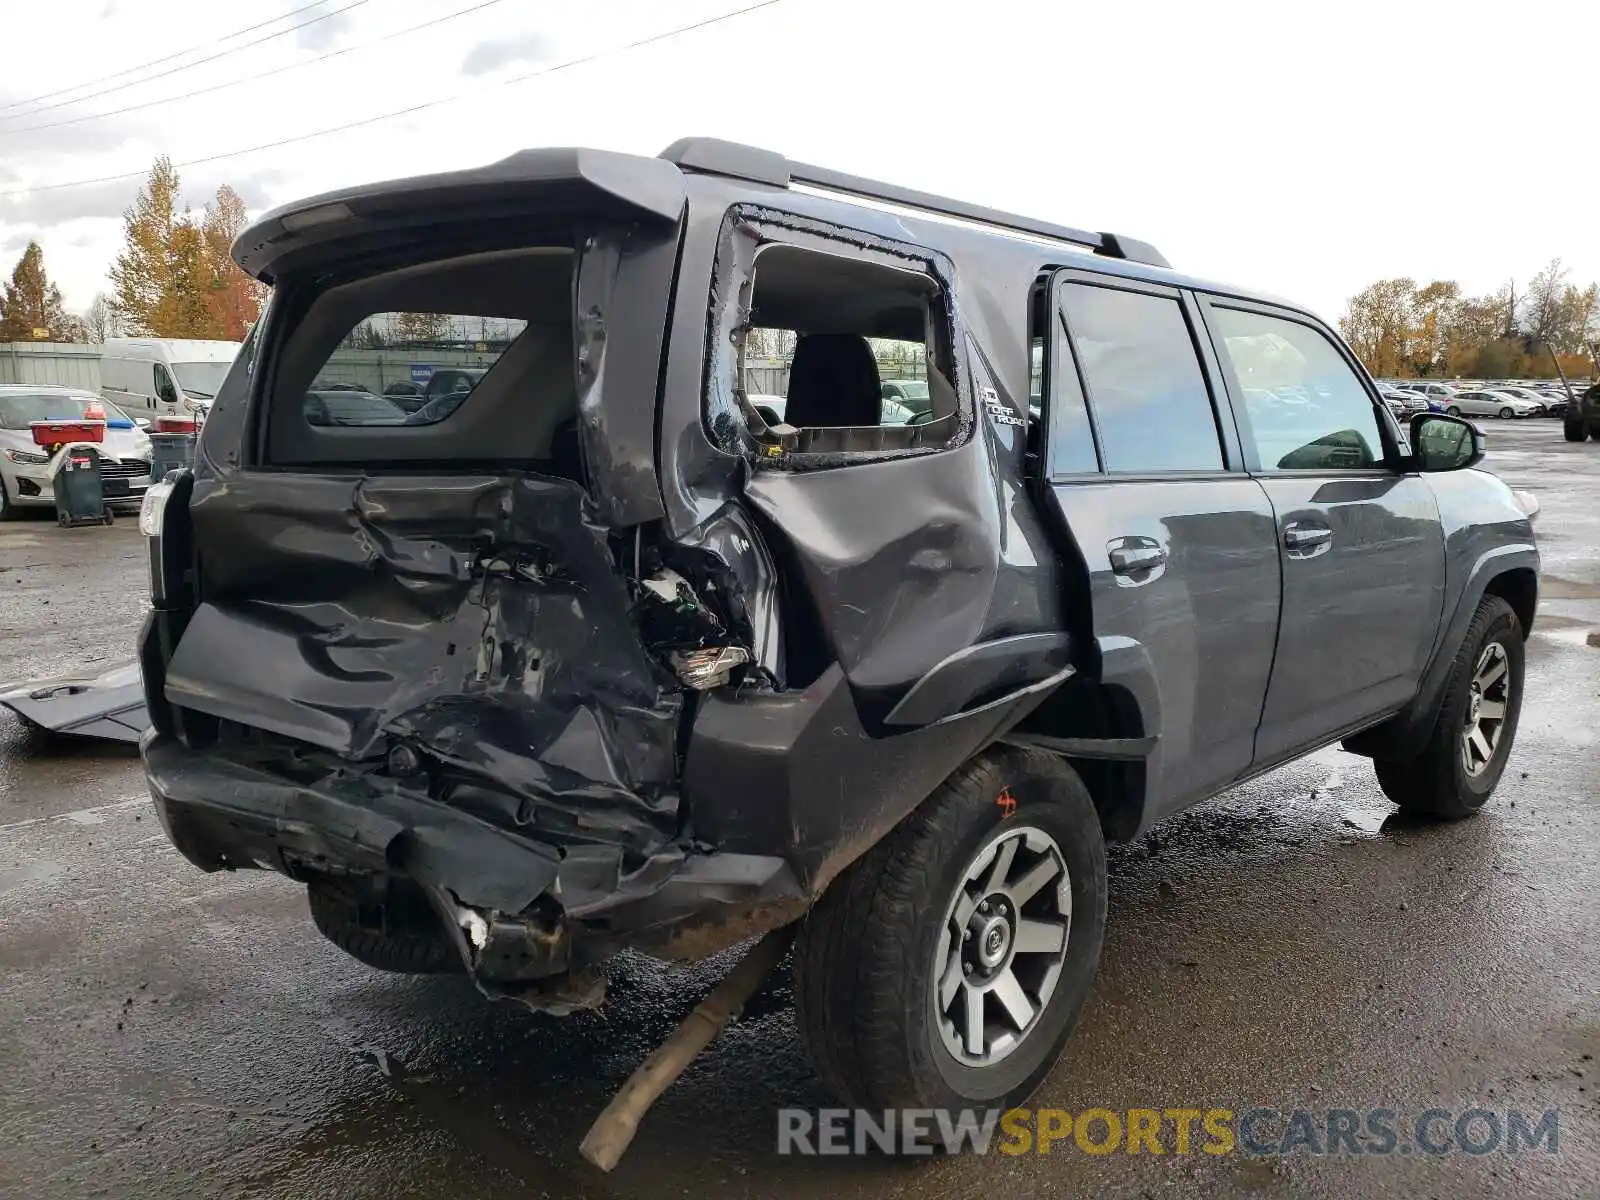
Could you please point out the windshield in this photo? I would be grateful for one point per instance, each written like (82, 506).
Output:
(18, 411)
(201, 380)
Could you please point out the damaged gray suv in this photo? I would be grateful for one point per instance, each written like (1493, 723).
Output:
(608, 655)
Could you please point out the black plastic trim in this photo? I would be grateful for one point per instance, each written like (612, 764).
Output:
(980, 672)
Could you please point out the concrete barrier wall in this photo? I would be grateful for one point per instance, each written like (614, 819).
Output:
(66, 364)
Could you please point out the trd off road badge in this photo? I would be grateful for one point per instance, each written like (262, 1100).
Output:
(1002, 412)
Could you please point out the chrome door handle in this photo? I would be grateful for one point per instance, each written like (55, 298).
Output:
(1305, 540)
(1135, 556)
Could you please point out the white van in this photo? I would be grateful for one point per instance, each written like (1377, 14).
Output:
(152, 377)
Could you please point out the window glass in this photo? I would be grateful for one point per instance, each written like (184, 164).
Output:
(201, 380)
(1071, 440)
(406, 368)
(1305, 408)
(164, 388)
(1149, 398)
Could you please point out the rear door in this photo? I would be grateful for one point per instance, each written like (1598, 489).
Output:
(1360, 543)
(1178, 539)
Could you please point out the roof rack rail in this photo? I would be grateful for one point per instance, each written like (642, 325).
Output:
(717, 157)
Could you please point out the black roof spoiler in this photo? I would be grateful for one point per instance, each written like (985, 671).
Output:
(713, 156)
(576, 179)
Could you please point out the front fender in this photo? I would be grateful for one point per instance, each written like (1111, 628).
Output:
(1404, 735)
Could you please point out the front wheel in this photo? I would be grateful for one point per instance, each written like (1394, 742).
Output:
(946, 968)
(1574, 431)
(1475, 725)
(1506, 414)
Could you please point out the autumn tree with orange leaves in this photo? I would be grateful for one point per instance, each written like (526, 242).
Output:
(175, 277)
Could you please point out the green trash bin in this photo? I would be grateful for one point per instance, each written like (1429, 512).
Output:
(79, 497)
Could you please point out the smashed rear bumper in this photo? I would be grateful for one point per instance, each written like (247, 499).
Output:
(517, 908)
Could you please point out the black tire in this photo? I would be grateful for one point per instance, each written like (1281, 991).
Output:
(8, 510)
(1506, 414)
(1453, 411)
(1437, 783)
(865, 958)
(417, 949)
(1574, 431)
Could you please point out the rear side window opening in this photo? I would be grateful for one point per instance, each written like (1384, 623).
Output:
(467, 359)
(841, 351)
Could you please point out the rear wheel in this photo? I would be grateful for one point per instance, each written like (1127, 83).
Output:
(390, 939)
(1453, 411)
(1476, 723)
(947, 967)
(1574, 431)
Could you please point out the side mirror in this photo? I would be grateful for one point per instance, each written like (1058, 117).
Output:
(1440, 442)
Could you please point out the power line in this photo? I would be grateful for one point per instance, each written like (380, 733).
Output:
(199, 62)
(230, 83)
(405, 112)
(206, 45)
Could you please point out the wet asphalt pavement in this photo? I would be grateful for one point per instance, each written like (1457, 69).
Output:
(1290, 945)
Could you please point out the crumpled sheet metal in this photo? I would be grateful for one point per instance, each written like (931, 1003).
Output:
(479, 618)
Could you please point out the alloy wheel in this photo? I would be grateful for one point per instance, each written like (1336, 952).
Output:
(1488, 702)
(1002, 945)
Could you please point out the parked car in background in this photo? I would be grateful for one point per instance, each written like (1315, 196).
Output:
(1482, 403)
(152, 377)
(911, 393)
(770, 407)
(448, 381)
(406, 395)
(1555, 399)
(350, 406)
(1528, 394)
(444, 394)
(1403, 402)
(1437, 393)
(25, 466)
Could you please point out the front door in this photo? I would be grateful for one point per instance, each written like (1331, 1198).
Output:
(1361, 545)
(1178, 539)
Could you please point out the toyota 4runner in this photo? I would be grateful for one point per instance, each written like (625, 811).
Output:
(606, 658)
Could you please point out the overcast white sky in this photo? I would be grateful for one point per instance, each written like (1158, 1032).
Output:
(1306, 147)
